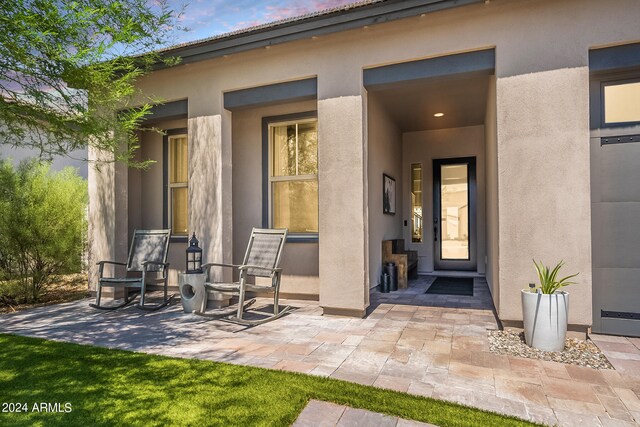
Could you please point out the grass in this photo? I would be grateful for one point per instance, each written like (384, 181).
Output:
(115, 387)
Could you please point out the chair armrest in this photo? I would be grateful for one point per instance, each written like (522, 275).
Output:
(101, 263)
(257, 267)
(216, 264)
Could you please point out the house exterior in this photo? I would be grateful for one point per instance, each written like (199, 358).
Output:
(517, 119)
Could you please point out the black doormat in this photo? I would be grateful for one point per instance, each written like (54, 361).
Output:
(452, 286)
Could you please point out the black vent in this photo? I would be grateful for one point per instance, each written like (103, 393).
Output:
(620, 315)
(619, 139)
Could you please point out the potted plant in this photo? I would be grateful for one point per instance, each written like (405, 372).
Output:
(545, 309)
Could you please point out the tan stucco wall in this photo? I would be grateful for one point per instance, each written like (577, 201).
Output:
(299, 260)
(102, 215)
(342, 200)
(423, 147)
(543, 183)
(541, 113)
(384, 150)
(145, 194)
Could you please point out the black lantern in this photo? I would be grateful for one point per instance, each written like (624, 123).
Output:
(194, 256)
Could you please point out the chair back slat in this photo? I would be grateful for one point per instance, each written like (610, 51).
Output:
(148, 245)
(264, 250)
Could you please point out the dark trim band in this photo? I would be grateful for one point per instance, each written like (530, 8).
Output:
(168, 111)
(481, 62)
(616, 58)
(297, 90)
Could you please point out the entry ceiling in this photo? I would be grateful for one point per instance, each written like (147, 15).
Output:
(412, 105)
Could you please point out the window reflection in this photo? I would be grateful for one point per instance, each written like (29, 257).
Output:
(416, 203)
(454, 195)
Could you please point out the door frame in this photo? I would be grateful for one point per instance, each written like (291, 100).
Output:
(470, 264)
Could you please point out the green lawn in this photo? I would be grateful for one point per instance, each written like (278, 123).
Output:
(113, 387)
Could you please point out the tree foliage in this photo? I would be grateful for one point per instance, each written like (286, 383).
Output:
(42, 225)
(53, 53)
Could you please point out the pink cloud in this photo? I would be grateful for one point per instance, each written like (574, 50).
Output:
(290, 10)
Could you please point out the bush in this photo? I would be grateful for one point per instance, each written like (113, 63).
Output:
(42, 227)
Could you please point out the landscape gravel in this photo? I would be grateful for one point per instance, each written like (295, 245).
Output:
(576, 352)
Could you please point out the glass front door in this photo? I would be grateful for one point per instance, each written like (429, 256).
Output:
(454, 213)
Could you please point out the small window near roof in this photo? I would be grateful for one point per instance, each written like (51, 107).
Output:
(621, 102)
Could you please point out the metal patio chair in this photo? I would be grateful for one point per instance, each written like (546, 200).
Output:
(262, 259)
(146, 264)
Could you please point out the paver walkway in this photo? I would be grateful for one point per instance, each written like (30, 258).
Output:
(441, 352)
(325, 414)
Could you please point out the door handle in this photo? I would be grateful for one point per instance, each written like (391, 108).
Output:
(435, 229)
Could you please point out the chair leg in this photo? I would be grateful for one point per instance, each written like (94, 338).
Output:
(128, 299)
(223, 313)
(165, 287)
(143, 290)
(276, 298)
(277, 313)
(153, 307)
(241, 298)
(99, 294)
(245, 322)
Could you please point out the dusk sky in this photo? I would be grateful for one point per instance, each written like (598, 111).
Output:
(206, 18)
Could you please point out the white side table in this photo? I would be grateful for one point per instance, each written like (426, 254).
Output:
(195, 297)
(192, 292)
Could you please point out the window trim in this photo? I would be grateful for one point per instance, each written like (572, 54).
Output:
(615, 82)
(411, 165)
(598, 78)
(166, 199)
(267, 179)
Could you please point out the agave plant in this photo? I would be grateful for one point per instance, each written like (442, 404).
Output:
(548, 282)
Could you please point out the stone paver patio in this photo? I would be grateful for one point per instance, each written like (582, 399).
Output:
(441, 352)
(326, 414)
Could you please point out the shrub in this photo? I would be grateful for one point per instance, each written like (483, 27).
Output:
(42, 227)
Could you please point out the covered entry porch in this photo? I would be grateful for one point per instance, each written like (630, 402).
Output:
(432, 131)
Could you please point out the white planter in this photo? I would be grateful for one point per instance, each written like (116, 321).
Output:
(545, 319)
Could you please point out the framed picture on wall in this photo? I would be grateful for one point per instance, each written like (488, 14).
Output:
(388, 195)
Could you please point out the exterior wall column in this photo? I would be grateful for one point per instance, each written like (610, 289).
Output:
(342, 204)
(108, 234)
(210, 195)
(544, 192)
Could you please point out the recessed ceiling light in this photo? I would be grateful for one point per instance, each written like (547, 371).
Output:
(438, 115)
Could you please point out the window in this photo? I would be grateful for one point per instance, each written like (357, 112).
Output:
(621, 102)
(416, 203)
(293, 176)
(178, 191)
